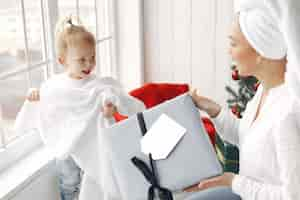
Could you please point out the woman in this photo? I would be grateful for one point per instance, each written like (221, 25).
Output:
(269, 133)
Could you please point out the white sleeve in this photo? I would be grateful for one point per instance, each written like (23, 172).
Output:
(287, 147)
(227, 126)
(248, 188)
(287, 143)
(287, 15)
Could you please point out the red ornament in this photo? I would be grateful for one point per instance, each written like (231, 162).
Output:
(235, 75)
(234, 109)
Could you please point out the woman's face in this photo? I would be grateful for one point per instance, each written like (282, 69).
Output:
(241, 52)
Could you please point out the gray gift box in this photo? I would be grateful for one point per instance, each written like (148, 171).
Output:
(192, 160)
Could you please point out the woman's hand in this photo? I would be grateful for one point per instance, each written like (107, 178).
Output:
(205, 104)
(109, 110)
(223, 180)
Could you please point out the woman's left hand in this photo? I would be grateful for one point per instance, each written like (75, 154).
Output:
(223, 180)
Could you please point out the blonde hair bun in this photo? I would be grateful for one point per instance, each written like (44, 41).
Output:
(69, 31)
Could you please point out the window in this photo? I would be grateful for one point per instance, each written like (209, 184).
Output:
(27, 55)
(22, 58)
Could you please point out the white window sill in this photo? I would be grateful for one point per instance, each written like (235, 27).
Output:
(15, 178)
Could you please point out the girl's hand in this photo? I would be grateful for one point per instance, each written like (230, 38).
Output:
(205, 104)
(223, 180)
(109, 110)
(33, 95)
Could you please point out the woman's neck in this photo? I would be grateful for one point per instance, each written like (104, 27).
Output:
(271, 82)
(272, 75)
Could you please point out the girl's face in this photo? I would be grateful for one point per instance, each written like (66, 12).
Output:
(79, 60)
(245, 57)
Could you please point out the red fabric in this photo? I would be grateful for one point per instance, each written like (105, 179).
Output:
(152, 94)
(118, 117)
(210, 128)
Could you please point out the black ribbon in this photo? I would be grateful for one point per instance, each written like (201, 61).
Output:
(149, 174)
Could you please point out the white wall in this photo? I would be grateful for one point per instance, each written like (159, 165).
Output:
(129, 42)
(42, 187)
(39, 189)
(185, 41)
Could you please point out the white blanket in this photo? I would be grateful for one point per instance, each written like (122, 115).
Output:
(70, 120)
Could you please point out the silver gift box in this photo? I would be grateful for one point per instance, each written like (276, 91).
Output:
(192, 160)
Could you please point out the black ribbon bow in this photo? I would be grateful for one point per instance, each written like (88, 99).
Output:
(149, 174)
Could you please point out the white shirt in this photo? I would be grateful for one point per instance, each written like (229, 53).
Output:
(269, 147)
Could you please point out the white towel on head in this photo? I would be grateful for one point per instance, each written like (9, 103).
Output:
(262, 32)
(286, 17)
(242, 5)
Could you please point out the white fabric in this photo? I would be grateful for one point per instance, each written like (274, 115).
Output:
(286, 16)
(262, 32)
(269, 147)
(241, 5)
(70, 120)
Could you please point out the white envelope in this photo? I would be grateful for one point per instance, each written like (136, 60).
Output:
(162, 137)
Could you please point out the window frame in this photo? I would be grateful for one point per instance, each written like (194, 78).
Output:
(28, 142)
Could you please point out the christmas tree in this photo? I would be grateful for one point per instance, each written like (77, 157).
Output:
(247, 87)
(228, 153)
